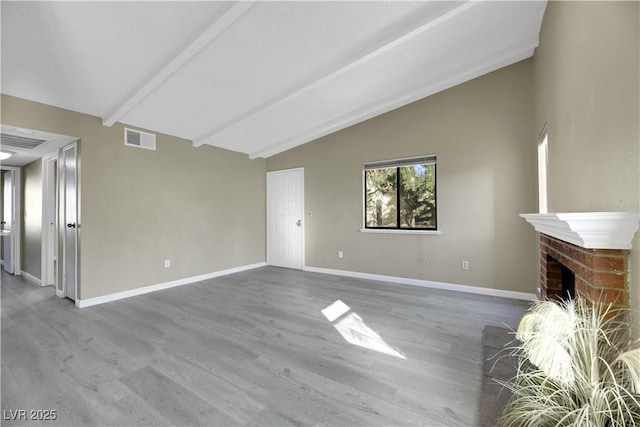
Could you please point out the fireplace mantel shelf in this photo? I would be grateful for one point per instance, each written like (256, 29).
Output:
(591, 230)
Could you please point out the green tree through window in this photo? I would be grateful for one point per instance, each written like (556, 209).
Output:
(401, 194)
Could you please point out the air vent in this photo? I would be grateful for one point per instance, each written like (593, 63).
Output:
(17, 141)
(135, 138)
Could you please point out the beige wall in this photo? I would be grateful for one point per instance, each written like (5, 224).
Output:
(203, 208)
(32, 218)
(587, 90)
(481, 132)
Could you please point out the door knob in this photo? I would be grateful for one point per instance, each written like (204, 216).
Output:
(299, 223)
(72, 225)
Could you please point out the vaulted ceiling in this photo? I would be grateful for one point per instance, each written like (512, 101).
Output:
(254, 77)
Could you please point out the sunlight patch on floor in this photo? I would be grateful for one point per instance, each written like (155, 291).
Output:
(355, 331)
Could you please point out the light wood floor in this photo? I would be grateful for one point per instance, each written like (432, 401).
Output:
(252, 348)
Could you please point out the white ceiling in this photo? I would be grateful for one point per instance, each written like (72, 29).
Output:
(254, 77)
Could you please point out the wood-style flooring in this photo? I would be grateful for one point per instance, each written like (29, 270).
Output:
(249, 349)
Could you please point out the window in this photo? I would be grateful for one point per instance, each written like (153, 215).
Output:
(401, 194)
(543, 160)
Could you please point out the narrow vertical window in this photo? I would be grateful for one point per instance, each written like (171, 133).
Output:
(401, 194)
(543, 158)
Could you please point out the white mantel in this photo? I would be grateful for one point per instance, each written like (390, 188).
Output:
(592, 230)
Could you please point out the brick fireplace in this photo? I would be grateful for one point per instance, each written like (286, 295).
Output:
(599, 274)
(585, 254)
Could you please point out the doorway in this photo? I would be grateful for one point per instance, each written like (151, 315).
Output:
(50, 221)
(10, 224)
(285, 230)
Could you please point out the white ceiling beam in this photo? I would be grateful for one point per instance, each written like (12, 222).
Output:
(369, 52)
(215, 25)
(502, 58)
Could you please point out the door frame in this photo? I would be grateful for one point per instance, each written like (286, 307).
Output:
(16, 211)
(62, 260)
(302, 214)
(50, 205)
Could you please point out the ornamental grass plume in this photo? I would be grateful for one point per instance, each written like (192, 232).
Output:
(576, 366)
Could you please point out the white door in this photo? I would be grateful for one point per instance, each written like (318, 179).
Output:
(70, 242)
(8, 222)
(285, 229)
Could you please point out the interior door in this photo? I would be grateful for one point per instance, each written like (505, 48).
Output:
(70, 241)
(8, 222)
(285, 239)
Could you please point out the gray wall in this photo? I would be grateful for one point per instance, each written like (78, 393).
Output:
(587, 91)
(481, 132)
(32, 218)
(203, 208)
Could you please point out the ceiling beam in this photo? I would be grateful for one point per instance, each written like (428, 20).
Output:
(388, 42)
(499, 59)
(215, 25)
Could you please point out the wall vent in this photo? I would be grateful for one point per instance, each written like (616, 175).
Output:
(17, 141)
(136, 138)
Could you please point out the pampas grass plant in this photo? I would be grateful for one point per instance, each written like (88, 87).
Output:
(576, 367)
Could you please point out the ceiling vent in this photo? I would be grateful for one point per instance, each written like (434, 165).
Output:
(136, 138)
(23, 142)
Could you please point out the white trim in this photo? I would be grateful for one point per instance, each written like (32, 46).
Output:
(82, 303)
(591, 230)
(427, 284)
(31, 278)
(399, 231)
(59, 293)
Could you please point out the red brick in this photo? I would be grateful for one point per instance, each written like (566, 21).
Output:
(609, 280)
(607, 296)
(599, 273)
(581, 285)
(609, 263)
(611, 252)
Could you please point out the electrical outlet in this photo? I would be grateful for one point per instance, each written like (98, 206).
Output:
(167, 263)
(340, 254)
(465, 265)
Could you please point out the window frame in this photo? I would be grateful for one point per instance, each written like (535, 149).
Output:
(543, 167)
(397, 164)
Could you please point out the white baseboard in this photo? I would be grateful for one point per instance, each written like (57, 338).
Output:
(427, 284)
(31, 278)
(81, 303)
(59, 293)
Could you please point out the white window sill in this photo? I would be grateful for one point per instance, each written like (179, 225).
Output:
(386, 231)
